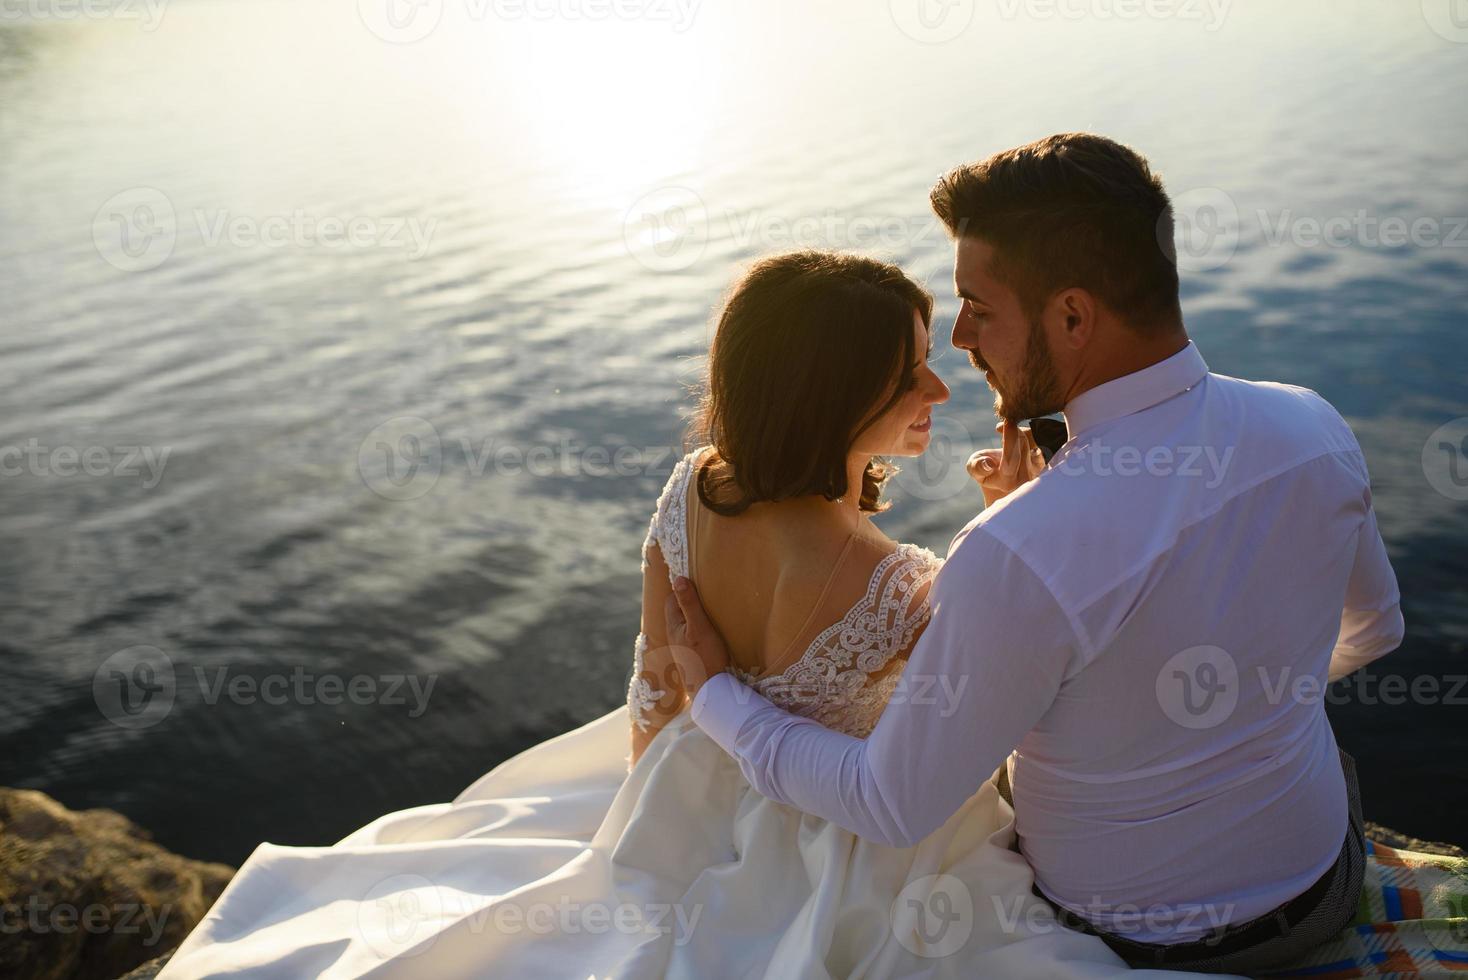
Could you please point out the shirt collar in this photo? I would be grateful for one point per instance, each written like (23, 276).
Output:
(1133, 392)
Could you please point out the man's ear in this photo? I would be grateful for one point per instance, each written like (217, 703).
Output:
(1073, 313)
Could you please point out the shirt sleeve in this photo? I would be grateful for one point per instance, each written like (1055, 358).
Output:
(987, 668)
(1371, 622)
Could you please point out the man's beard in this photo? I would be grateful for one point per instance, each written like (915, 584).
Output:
(1037, 390)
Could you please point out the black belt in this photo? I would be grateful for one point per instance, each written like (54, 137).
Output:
(1225, 940)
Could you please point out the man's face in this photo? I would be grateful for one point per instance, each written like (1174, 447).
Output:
(1011, 349)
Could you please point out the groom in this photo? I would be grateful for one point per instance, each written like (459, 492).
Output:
(1146, 623)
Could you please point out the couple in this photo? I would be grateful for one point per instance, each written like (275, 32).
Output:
(1057, 753)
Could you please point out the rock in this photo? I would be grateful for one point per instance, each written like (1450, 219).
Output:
(150, 969)
(87, 894)
(1402, 842)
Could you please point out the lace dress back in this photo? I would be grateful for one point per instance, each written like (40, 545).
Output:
(843, 677)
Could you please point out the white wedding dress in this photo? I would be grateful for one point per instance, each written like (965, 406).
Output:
(560, 862)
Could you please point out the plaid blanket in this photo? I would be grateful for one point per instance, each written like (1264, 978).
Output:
(1412, 921)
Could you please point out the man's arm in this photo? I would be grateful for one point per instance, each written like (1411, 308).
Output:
(1371, 623)
(984, 672)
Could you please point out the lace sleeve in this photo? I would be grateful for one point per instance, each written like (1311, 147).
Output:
(668, 530)
(902, 611)
(669, 525)
(642, 696)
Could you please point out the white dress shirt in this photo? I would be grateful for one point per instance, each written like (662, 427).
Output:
(1149, 625)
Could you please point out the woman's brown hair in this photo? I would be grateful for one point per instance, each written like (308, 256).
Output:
(810, 349)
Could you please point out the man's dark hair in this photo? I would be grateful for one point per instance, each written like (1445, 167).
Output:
(1073, 209)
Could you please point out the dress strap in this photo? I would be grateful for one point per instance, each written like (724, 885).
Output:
(669, 524)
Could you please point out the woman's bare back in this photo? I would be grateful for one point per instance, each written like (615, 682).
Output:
(774, 577)
(819, 615)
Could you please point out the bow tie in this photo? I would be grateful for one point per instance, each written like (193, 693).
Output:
(1050, 435)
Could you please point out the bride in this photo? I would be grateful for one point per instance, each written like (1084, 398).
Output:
(578, 858)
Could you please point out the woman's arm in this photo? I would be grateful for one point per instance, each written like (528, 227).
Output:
(656, 694)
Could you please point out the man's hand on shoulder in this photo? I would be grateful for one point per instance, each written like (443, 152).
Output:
(695, 647)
